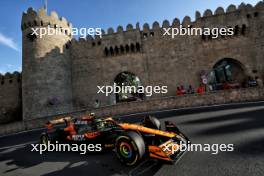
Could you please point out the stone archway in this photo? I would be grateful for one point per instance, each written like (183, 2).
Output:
(127, 79)
(228, 70)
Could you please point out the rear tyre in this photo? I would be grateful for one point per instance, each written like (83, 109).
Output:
(130, 148)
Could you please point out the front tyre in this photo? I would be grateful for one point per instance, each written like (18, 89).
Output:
(130, 148)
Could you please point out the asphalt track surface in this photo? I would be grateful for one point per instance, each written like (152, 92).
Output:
(238, 124)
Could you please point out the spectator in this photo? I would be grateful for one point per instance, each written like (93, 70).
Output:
(96, 104)
(211, 88)
(259, 81)
(201, 89)
(183, 90)
(190, 90)
(252, 82)
(226, 85)
(178, 91)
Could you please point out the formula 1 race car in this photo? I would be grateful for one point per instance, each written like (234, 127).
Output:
(130, 141)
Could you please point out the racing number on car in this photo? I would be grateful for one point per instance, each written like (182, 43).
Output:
(78, 137)
(92, 134)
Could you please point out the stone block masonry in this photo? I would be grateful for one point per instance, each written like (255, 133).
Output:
(196, 100)
(60, 74)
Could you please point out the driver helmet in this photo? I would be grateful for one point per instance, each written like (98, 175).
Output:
(99, 123)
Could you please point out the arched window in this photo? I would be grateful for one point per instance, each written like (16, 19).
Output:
(31, 36)
(122, 50)
(66, 32)
(228, 70)
(128, 79)
(203, 37)
(132, 46)
(111, 51)
(209, 37)
(243, 30)
(236, 31)
(137, 47)
(116, 50)
(127, 49)
(106, 52)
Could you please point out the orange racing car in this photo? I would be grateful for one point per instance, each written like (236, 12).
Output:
(130, 141)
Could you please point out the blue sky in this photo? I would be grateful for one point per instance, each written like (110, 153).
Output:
(93, 13)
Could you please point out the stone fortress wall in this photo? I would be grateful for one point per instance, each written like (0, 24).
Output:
(46, 66)
(161, 60)
(10, 97)
(60, 73)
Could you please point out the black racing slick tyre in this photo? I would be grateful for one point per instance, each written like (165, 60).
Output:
(130, 148)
